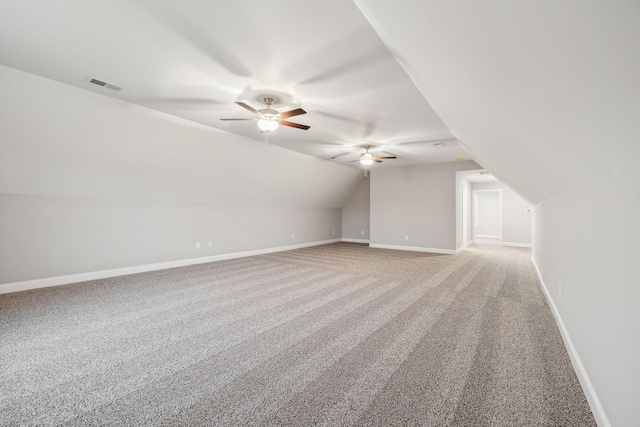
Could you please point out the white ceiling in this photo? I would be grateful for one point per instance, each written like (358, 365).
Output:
(193, 59)
(477, 176)
(544, 94)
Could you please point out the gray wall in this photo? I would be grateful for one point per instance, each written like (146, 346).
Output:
(356, 213)
(516, 222)
(89, 183)
(418, 202)
(587, 239)
(45, 236)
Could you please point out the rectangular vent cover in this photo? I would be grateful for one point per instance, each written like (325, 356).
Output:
(485, 173)
(104, 84)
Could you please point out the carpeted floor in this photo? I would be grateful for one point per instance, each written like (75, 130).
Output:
(333, 335)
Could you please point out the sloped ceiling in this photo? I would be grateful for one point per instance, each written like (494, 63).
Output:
(193, 59)
(58, 140)
(544, 94)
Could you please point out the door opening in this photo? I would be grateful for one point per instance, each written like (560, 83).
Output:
(487, 217)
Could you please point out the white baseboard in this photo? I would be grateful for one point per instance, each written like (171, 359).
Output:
(517, 245)
(346, 239)
(583, 377)
(414, 248)
(469, 243)
(94, 275)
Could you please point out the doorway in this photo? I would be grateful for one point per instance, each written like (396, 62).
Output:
(487, 217)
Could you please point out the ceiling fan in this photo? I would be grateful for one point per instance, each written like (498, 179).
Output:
(269, 119)
(367, 158)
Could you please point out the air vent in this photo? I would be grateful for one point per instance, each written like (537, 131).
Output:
(98, 82)
(104, 84)
(438, 144)
(484, 173)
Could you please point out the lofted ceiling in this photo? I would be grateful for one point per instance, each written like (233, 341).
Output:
(193, 59)
(544, 94)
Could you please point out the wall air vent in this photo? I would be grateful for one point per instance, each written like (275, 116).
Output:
(104, 84)
(485, 173)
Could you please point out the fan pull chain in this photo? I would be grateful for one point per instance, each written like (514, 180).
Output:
(266, 141)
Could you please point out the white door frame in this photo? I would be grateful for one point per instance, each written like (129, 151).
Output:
(475, 214)
(465, 216)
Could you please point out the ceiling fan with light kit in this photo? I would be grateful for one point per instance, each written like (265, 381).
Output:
(268, 119)
(367, 158)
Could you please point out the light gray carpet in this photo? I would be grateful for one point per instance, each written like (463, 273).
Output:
(339, 334)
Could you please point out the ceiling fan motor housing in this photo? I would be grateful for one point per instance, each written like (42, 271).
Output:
(268, 114)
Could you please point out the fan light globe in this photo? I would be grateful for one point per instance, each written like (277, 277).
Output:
(366, 159)
(268, 125)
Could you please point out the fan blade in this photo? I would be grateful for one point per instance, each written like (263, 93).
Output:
(385, 157)
(340, 155)
(296, 112)
(237, 119)
(248, 107)
(294, 125)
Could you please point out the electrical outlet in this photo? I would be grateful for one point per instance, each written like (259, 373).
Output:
(406, 237)
(293, 236)
(198, 245)
(210, 244)
(333, 232)
(362, 232)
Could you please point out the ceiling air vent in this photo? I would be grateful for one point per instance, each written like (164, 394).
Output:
(104, 84)
(485, 173)
(438, 144)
